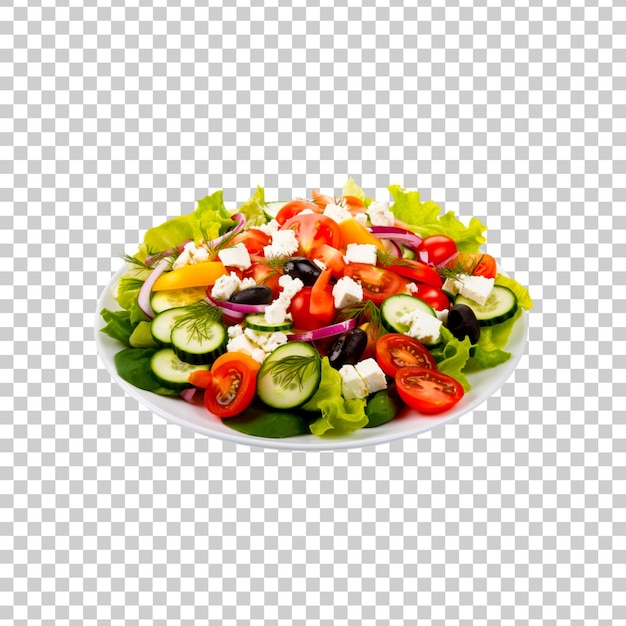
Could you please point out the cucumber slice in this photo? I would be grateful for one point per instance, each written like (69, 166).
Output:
(174, 298)
(162, 325)
(501, 305)
(289, 376)
(271, 209)
(395, 307)
(408, 253)
(191, 348)
(256, 321)
(170, 371)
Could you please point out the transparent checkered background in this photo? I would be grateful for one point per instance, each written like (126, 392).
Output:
(113, 118)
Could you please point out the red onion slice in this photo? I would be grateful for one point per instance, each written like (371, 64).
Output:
(143, 300)
(392, 247)
(323, 333)
(450, 258)
(397, 234)
(240, 218)
(423, 255)
(188, 395)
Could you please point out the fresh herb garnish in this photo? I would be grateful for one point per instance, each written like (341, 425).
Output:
(199, 319)
(387, 259)
(459, 269)
(293, 369)
(365, 312)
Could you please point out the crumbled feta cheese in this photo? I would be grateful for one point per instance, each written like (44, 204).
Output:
(270, 228)
(361, 218)
(361, 253)
(380, 215)
(442, 315)
(191, 255)
(241, 343)
(352, 385)
(225, 286)
(235, 256)
(337, 213)
(422, 326)
(256, 344)
(372, 375)
(276, 312)
(181, 260)
(284, 243)
(347, 292)
(411, 288)
(476, 288)
(451, 285)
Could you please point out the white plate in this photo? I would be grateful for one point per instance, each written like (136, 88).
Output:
(409, 423)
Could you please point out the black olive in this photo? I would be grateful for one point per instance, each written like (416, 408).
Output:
(299, 267)
(347, 348)
(463, 323)
(259, 294)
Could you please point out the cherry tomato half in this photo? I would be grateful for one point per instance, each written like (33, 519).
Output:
(426, 390)
(433, 296)
(378, 283)
(396, 350)
(438, 247)
(295, 207)
(478, 264)
(233, 384)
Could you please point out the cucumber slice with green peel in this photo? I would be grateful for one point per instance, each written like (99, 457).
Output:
(289, 376)
(174, 298)
(395, 307)
(196, 349)
(271, 209)
(162, 325)
(408, 253)
(500, 306)
(256, 321)
(170, 371)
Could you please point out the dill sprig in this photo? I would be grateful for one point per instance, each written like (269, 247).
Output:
(365, 312)
(459, 269)
(130, 283)
(293, 369)
(199, 319)
(215, 245)
(387, 259)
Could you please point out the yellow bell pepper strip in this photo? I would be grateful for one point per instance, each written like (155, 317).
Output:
(197, 275)
(353, 232)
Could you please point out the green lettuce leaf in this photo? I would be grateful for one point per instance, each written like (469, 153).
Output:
(338, 415)
(482, 359)
(127, 294)
(118, 325)
(496, 337)
(208, 221)
(352, 189)
(425, 219)
(452, 356)
(521, 293)
(253, 208)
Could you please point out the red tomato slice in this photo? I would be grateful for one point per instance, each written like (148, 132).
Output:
(478, 264)
(330, 257)
(313, 230)
(426, 390)
(377, 283)
(294, 207)
(416, 271)
(395, 350)
(433, 296)
(254, 240)
(233, 384)
(265, 275)
(438, 247)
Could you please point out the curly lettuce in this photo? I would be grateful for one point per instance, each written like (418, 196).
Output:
(425, 219)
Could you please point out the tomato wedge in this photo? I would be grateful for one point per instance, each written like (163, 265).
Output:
(300, 309)
(478, 264)
(330, 257)
(396, 350)
(322, 303)
(254, 240)
(426, 390)
(313, 230)
(232, 385)
(294, 208)
(416, 271)
(378, 283)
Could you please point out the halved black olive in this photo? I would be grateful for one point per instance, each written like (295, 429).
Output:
(462, 323)
(259, 294)
(299, 267)
(347, 348)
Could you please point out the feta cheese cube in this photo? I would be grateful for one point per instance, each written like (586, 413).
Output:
(380, 215)
(360, 253)
(476, 288)
(451, 285)
(225, 286)
(235, 256)
(361, 218)
(421, 326)
(372, 375)
(182, 259)
(200, 255)
(337, 213)
(411, 288)
(270, 228)
(284, 243)
(442, 315)
(276, 312)
(347, 292)
(352, 385)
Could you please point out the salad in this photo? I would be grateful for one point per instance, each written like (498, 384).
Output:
(321, 316)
